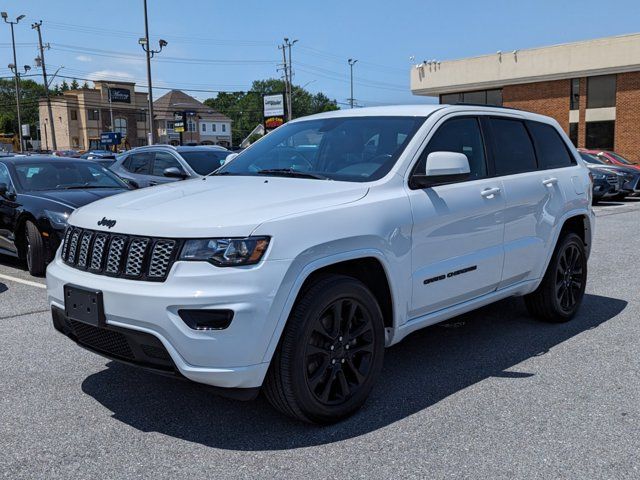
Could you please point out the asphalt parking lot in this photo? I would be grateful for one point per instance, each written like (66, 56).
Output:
(492, 394)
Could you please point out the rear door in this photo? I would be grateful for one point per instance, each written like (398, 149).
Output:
(533, 196)
(457, 235)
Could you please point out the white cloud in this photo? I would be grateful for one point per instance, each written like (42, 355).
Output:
(84, 58)
(110, 75)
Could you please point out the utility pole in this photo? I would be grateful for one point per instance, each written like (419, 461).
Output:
(351, 62)
(283, 47)
(15, 72)
(37, 26)
(290, 102)
(144, 43)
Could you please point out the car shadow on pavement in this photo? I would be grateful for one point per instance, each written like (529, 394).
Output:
(3, 288)
(425, 368)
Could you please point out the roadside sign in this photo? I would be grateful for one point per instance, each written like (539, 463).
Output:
(26, 131)
(273, 111)
(110, 138)
(178, 124)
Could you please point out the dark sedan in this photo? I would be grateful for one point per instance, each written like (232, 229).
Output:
(37, 195)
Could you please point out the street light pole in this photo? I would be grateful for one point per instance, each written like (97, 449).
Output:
(289, 103)
(15, 72)
(144, 43)
(37, 26)
(351, 62)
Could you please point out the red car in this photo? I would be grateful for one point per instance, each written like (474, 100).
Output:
(611, 158)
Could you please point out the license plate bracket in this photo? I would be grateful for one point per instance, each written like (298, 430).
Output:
(84, 305)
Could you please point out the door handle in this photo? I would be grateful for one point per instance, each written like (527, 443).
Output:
(490, 192)
(549, 182)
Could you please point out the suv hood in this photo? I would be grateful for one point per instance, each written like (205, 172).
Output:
(215, 206)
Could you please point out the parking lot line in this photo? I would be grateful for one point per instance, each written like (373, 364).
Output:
(24, 282)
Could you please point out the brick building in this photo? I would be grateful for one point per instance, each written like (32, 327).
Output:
(591, 88)
(80, 116)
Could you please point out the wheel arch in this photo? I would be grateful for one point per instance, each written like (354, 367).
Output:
(367, 265)
(20, 241)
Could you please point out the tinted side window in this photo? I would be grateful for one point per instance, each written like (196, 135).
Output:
(164, 160)
(460, 135)
(139, 163)
(4, 175)
(550, 148)
(513, 151)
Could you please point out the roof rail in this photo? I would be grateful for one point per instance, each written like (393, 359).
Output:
(464, 104)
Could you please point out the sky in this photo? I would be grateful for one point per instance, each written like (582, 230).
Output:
(218, 45)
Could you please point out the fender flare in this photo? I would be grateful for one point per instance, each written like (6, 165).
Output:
(304, 273)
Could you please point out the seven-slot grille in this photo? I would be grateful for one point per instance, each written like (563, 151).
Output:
(117, 255)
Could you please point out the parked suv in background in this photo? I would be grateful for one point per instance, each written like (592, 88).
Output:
(333, 237)
(156, 164)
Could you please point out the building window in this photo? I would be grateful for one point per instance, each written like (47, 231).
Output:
(494, 97)
(573, 133)
(204, 127)
(141, 116)
(93, 114)
(600, 135)
(224, 127)
(574, 99)
(601, 91)
(120, 126)
(170, 126)
(479, 97)
(191, 126)
(73, 115)
(451, 98)
(213, 127)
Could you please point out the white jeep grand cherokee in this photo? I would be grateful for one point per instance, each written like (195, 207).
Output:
(295, 264)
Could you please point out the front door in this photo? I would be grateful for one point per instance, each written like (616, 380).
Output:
(457, 252)
(7, 214)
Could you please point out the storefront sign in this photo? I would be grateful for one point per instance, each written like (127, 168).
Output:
(122, 95)
(273, 105)
(110, 138)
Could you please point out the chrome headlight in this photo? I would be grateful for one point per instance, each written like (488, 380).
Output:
(225, 252)
(57, 219)
(599, 176)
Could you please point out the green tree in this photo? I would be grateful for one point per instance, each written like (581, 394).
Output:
(74, 84)
(30, 94)
(85, 85)
(64, 86)
(246, 108)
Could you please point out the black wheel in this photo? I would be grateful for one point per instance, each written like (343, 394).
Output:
(330, 353)
(560, 294)
(34, 250)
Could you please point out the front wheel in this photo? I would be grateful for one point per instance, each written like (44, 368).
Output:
(560, 293)
(330, 352)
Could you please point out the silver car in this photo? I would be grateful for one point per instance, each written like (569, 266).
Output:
(156, 164)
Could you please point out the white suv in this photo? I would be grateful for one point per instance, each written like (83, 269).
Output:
(295, 264)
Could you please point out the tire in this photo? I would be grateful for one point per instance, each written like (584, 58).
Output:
(324, 370)
(619, 196)
(559, 295)
(34, 250)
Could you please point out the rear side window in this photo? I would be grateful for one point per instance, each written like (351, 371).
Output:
(513, 150)
(139, 163)
(551, 150)
(461, 135)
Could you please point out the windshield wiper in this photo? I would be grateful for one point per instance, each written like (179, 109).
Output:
(81, 187)
(288, 172)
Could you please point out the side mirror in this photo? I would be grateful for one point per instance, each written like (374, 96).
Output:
(442, 167)
(174, 172)
(228, 158)
(132, 183)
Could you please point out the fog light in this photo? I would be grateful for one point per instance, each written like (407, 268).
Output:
(206, 319)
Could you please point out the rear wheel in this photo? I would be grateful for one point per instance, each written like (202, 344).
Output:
(330, 353)
(34, 250)
(560, 293)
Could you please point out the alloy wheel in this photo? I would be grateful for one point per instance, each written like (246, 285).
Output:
(339, 354)
(569, 278)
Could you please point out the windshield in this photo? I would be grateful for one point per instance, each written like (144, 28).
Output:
(356, 149)
(620, 158)
(204, 162)
(61, 175)
(591, 158)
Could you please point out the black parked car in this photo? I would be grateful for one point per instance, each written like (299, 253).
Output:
(37, 195)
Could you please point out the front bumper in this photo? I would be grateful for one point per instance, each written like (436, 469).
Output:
(229, 358)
